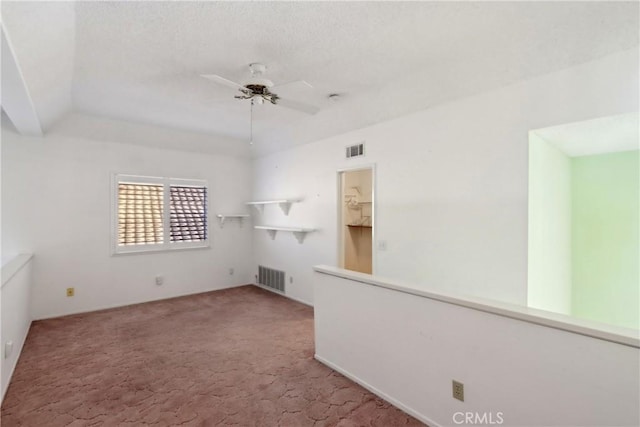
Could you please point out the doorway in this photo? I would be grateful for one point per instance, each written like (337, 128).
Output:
(356, 219)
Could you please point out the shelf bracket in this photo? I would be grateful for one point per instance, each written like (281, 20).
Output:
(285, 206)
(259, 208)
(300, 235)
(224, 218)
(272, 234)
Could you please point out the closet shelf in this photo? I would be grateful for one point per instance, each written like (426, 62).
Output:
(299, 232)
(223, 217)
(285, 204)
(359, 226)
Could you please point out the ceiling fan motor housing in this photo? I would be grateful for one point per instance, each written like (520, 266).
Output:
(258, 89)
(258, 92)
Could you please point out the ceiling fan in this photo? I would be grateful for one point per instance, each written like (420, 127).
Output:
(260, 89)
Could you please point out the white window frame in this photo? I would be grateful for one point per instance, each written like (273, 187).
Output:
(166, 209)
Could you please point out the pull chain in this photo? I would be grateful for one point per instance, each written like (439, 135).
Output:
(251, 124)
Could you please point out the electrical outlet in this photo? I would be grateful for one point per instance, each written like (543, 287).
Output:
(8, 349)
(231, 271)
(159, 280)
(458, 390)
(71, 292)
(290, 279)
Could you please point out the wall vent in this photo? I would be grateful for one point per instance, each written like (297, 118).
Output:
(355, 150)
(271, 278)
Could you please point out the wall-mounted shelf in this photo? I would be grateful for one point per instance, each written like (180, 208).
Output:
(298, 232)
(285, 204)
(354, 204)
(224, 217)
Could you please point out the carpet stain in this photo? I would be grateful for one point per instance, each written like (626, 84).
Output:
(240, 356)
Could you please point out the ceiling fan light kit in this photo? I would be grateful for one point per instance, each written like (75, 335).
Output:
(258, 88)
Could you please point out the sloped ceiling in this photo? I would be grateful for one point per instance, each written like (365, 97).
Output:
(140, 61)
(42, 35)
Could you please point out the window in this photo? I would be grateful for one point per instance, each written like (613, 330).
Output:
(152, 213)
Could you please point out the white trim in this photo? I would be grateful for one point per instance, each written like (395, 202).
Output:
(377, 392)
(611, 333)
(126, 304)
(167, 245)
(197, 183)
(137, 249)
(138, 179)
(142, 179)
(166, 216)
(283, 295)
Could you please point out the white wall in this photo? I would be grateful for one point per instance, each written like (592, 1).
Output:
(549, 269)
(56, 204)
(409, 348)
(451, 183)
(16, 312)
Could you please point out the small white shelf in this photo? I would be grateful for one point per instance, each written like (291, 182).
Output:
(224, 217)
(298, 232)
(285, 204)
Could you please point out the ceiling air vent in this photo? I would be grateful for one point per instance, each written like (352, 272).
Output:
(355, 150)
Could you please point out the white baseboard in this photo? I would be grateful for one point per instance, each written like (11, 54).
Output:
(13, 368)
(282, 295)
(378, 393)
(125, 304)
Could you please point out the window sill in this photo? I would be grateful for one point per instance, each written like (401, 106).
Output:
(138, 251)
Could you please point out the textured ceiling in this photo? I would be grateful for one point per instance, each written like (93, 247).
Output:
(140, 61)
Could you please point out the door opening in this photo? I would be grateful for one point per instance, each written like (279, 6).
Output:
(356, 220)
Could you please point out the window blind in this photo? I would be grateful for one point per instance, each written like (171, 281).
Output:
(140, 214)
(188, 216)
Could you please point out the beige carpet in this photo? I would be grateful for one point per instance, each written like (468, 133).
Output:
(242, 356)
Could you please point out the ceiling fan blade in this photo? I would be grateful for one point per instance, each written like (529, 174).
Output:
(301, 83)
(221, 80)
(295, 105)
